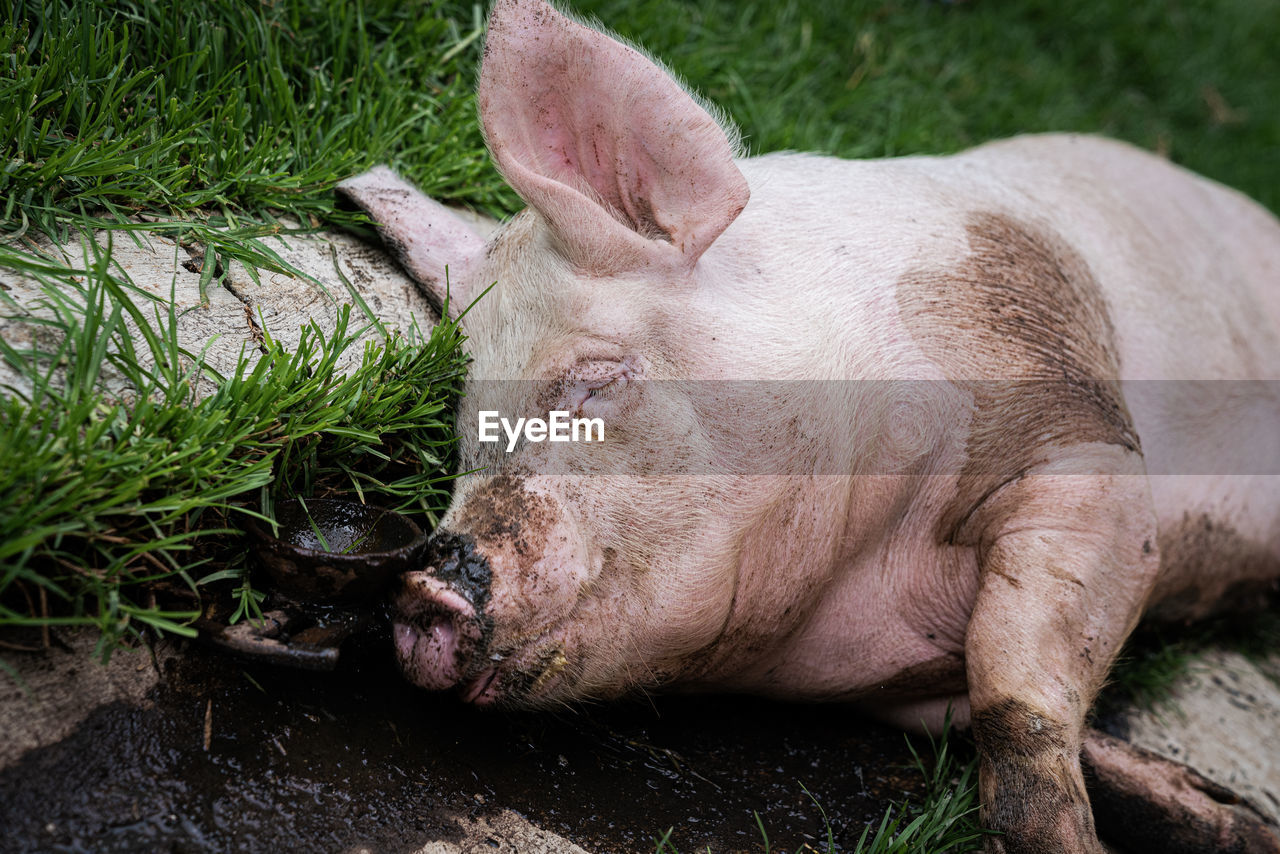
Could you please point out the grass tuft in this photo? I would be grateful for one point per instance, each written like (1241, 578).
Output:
(946, 818)
(108, 502)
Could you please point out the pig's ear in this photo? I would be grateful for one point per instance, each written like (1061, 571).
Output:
(424, 235)
(624, 165)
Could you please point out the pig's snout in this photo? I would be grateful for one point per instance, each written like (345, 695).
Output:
(491, 614)
(435, 631)
(438, 626)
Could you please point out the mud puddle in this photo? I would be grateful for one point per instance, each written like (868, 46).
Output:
(333, 762)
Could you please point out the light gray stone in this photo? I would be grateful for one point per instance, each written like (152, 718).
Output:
(1223, 719)
(228, 320)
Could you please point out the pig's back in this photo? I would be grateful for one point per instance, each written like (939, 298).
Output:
(1189, 269)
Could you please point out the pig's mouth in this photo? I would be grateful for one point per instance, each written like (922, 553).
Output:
(481, 690)
(442, 642)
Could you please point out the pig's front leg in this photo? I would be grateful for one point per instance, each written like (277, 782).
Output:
(1066, 562)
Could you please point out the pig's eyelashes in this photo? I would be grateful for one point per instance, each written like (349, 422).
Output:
(594, 395)
(597, 391)
(596, 383)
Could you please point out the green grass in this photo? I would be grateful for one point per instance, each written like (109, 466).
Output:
(115, 108)
(1199, 79)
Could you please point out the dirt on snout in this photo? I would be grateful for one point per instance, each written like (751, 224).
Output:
(226, 756)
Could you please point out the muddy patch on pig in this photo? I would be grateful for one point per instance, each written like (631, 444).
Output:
(1024, 327)
(361, 760)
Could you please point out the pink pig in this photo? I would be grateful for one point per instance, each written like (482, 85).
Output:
(906, 434)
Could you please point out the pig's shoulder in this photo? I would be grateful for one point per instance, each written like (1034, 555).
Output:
(1019, 321)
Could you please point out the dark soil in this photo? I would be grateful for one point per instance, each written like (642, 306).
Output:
(303, 761)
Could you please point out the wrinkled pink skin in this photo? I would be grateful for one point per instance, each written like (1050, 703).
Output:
(640, 259)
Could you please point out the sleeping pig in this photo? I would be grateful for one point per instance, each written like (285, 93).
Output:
(908, 434)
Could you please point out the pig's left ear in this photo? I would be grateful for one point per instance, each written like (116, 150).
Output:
(426, 236)
(625, 166)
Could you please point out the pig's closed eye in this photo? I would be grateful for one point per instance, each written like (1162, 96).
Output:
(594, 385)
(600, 390)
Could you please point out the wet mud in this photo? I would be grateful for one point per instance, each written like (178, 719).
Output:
(229, 756)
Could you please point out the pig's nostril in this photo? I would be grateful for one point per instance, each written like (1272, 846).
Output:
(443, 636)
(428, 651)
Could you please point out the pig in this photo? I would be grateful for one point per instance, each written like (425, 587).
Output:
(923, 435)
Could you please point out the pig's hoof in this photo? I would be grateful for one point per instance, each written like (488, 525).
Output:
(1144, 802)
